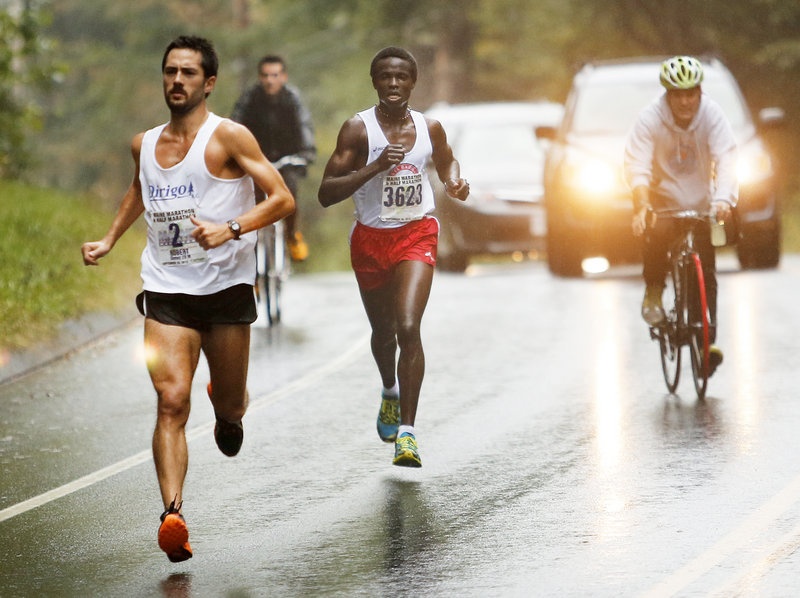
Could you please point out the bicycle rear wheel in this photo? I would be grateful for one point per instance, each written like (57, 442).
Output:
(698, 320)
(667, 335)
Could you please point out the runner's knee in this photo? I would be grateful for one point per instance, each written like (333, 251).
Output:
(173, 402)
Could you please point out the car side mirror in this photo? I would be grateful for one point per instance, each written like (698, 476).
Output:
(772, 117)
(546, 132)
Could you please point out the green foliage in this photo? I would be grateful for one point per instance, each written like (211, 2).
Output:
(24, 67)
(467, 50)
(42, 277)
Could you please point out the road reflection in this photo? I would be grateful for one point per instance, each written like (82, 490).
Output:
(747, 352)
(177, 585)
(409, 528)
(682, 422)
(613, 489)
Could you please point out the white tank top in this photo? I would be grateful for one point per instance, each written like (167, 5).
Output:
(402, 193)
(172, 261)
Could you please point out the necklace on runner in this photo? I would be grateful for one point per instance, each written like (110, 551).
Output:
(388, 117)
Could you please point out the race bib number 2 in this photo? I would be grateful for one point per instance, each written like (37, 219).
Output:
(401, 200)
(176, 246)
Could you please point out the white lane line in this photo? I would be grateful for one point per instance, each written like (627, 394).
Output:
(744, 584)
(751, 526)
(106, 472)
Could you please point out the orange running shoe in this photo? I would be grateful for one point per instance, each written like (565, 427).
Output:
(173, 535)
(298, 248)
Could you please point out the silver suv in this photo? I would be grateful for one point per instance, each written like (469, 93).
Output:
(588, 204)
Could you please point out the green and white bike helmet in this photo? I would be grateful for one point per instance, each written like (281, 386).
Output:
(681, 72)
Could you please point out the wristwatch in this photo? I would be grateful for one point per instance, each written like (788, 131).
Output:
(236, 228)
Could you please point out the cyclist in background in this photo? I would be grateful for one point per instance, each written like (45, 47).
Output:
(681, 153)
(275, 113)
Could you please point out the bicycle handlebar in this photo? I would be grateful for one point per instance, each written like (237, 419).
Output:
(681, 213)
(290, 160)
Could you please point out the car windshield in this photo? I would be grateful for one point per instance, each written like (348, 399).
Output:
(498, 147)
(610, 109)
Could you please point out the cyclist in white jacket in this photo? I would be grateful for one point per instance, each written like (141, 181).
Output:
(681, 153)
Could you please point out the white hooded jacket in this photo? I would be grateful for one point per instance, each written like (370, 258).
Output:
(684, 168)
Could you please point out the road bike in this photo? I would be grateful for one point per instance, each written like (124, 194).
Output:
(687, 319)
(272, 257)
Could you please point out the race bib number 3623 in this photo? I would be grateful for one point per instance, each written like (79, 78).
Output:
(401, 199)
(176, 246)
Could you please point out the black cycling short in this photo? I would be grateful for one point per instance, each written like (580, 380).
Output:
(234, 305)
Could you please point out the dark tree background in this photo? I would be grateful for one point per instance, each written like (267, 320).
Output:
(467, 49)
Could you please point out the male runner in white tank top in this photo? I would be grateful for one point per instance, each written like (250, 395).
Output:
(380, 160)
(194, 184)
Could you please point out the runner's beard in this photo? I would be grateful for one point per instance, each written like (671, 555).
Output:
(182, 108)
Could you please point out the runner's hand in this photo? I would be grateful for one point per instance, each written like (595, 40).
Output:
(391, 155)
(93, 251)
(457, 188)
(209, 234)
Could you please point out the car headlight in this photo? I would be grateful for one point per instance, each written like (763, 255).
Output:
(754, 165)
(591, 176)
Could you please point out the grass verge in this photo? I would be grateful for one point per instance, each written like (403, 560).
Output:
(43, 281)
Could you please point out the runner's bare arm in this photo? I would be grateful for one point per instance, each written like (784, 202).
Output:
(347, 170)
(129, 210)
(447, 167)
(234, 152)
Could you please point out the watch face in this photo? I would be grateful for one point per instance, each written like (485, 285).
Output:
(235, 228)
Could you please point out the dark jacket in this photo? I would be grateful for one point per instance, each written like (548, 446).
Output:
(281, 124)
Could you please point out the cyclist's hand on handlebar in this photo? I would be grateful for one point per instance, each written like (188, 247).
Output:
(643, 219)
(721, 210)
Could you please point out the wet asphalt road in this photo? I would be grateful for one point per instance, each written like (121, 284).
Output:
(555, 464)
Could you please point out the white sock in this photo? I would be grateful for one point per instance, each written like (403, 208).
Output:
(406, 430)
(394, 391)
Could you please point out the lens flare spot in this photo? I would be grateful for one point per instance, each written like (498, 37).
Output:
(147, 354)
(595, 265)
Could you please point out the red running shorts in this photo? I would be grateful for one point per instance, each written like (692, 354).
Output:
(375, 252)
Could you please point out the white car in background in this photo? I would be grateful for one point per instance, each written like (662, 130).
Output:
(496, 145)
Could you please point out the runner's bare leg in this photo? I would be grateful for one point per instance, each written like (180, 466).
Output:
(227, 349)
(412, 288)
(173, 354)
(395, 315)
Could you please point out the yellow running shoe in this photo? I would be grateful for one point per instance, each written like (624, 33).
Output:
(406, 452)
(388, 418)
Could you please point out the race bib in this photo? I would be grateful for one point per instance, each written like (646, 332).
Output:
(401, 200)
(176, 247)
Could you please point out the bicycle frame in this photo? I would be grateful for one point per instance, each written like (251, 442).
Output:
(687, 316)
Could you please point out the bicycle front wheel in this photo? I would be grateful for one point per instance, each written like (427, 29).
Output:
(668, 339)
(277, 269)
(698, 320)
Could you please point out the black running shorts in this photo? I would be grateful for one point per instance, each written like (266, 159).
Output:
(234, 305)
